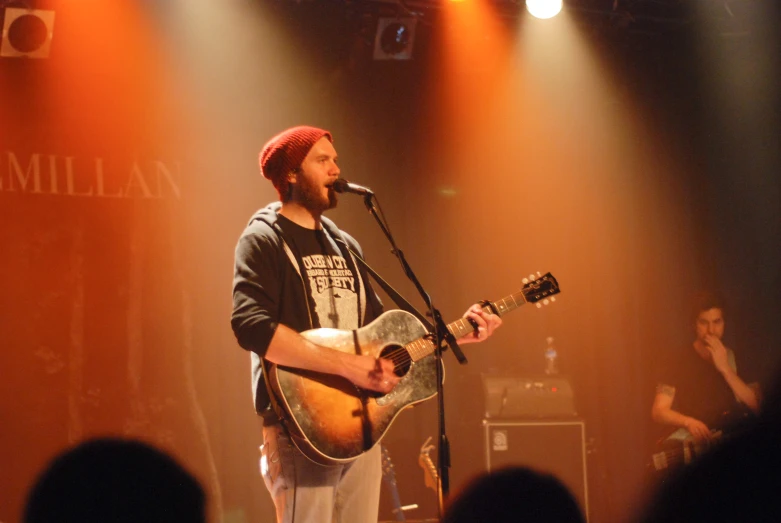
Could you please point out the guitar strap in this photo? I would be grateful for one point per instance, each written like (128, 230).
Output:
(275, 413)
(397, 298)
(330, 228)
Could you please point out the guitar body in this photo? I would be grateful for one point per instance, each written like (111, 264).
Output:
(680, 448)
(333, 421)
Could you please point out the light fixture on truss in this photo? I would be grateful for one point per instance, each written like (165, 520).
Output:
(395, 38)
(27, 33)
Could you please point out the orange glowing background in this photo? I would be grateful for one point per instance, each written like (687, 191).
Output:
(509, 145)
(541, 164)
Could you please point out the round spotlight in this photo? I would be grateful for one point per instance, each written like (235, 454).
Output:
(27, 33)
(395, 38)
(543, 8)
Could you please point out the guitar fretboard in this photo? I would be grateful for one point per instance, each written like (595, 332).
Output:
(422, 347)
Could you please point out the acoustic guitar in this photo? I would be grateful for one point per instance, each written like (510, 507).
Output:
(430, 474)
(333, 421)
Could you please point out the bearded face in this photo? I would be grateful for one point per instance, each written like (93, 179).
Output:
(312, 183)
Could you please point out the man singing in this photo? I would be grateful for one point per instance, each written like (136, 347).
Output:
(294, 272)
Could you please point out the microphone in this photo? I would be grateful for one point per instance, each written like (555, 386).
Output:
(342, 185)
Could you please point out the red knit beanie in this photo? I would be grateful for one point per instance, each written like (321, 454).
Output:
(286, 151)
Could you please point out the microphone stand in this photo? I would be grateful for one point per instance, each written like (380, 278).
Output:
(441, 333)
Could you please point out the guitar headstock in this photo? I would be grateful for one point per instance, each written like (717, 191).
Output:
(541, 289)
(430, 474)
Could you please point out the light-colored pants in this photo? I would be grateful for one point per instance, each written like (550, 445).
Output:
(305, 492)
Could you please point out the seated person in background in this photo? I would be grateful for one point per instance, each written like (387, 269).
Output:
(700, 384)
(514, 494)
(115, 481)
(736, 482)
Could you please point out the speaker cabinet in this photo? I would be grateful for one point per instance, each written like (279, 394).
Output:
(554, 447)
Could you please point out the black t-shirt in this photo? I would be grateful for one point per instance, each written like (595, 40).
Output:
(332, 287)
(700, 390)
(290, 275)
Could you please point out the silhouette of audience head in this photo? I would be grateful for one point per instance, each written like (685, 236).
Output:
(514, 494)
(115, 481)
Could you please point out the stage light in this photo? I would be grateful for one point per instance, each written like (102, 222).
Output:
(543, 8)
(27, 33)
(395, 38)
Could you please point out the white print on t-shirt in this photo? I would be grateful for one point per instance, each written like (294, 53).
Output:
(332, 284)
(327, 271)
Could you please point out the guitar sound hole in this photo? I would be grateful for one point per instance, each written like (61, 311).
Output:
(400, 358)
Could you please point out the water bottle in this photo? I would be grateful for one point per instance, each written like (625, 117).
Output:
(551, 356)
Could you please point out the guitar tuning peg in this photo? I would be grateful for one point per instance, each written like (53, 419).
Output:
(538, 274)
(539, 305)
(531, 276)
(553, 298)
(545, 301)
(525, 281)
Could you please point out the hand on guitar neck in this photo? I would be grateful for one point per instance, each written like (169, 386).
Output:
(483, 322)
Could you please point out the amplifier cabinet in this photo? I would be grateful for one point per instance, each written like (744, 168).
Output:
(554, 447)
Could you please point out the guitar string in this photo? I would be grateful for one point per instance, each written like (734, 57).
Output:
(401, 356)
(681, 451)
(672, 457)
(688, 447)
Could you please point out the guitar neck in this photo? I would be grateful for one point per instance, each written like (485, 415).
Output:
(389, 475)
(422, 347)
(430, 474)
(462, 327)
